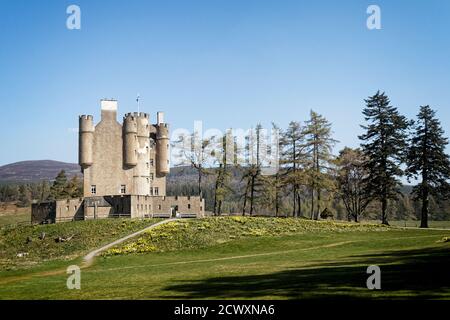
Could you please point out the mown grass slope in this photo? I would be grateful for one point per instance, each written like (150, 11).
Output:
(414, 264)
(200, 233)
(252, 258)
(29, 245)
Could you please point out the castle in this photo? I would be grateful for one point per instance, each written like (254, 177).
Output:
(124, 170)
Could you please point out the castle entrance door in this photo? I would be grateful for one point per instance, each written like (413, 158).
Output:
(174, 211)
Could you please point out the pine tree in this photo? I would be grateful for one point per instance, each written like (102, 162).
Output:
(73, 188)
(427, 159)
(293, 160)
(57, 189)
(383, 145)
(24, 197)
(44, 191)
(319, 144)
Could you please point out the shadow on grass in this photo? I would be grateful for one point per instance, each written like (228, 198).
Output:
(411, 274)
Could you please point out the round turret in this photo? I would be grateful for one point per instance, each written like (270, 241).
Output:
(162, 149)
(130, 140)
(85, 141)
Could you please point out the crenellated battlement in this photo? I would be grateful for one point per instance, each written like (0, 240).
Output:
(135, 115)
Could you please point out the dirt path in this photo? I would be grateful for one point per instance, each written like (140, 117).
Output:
(89, 258)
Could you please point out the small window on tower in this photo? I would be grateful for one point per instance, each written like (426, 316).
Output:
(151, 176)
(156, 191)
(151, 162)
(93, 189)
(151, 191)
(123, 189)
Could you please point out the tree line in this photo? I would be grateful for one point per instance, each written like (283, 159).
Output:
(61, 188)
(312, 182)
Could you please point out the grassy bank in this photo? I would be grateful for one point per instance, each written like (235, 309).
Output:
(24, 246)
(201, 233)
(249, 258)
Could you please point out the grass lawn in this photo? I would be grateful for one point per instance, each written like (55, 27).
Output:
(416, 224)
(11, 214)
(40, 244)
(302, 262)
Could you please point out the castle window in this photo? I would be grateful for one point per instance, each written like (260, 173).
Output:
(151, 176)
(123, 189)
(67, 208)
(152, 162)
(156, 191)
(93, 189)
(189, 205)
(159, 207)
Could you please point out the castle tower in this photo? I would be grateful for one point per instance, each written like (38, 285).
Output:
(85, 141)
(130, 140)
(162, 146)
(137, 150)
(128, 158)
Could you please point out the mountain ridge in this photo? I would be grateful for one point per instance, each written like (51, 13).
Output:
(36, 170)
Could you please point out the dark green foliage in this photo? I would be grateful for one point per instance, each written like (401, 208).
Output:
(427, 159)
(58, 189)
(384, 144)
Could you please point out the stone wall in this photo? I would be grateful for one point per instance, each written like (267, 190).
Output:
(145, 206)
(43, 212)
(107, 207)
(122, 206)
(69, 210)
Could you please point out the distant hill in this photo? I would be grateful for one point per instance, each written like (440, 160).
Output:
(36, 170)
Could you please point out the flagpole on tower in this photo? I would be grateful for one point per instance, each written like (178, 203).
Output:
(137, 101)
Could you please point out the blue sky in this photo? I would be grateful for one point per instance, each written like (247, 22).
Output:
(229, 63)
